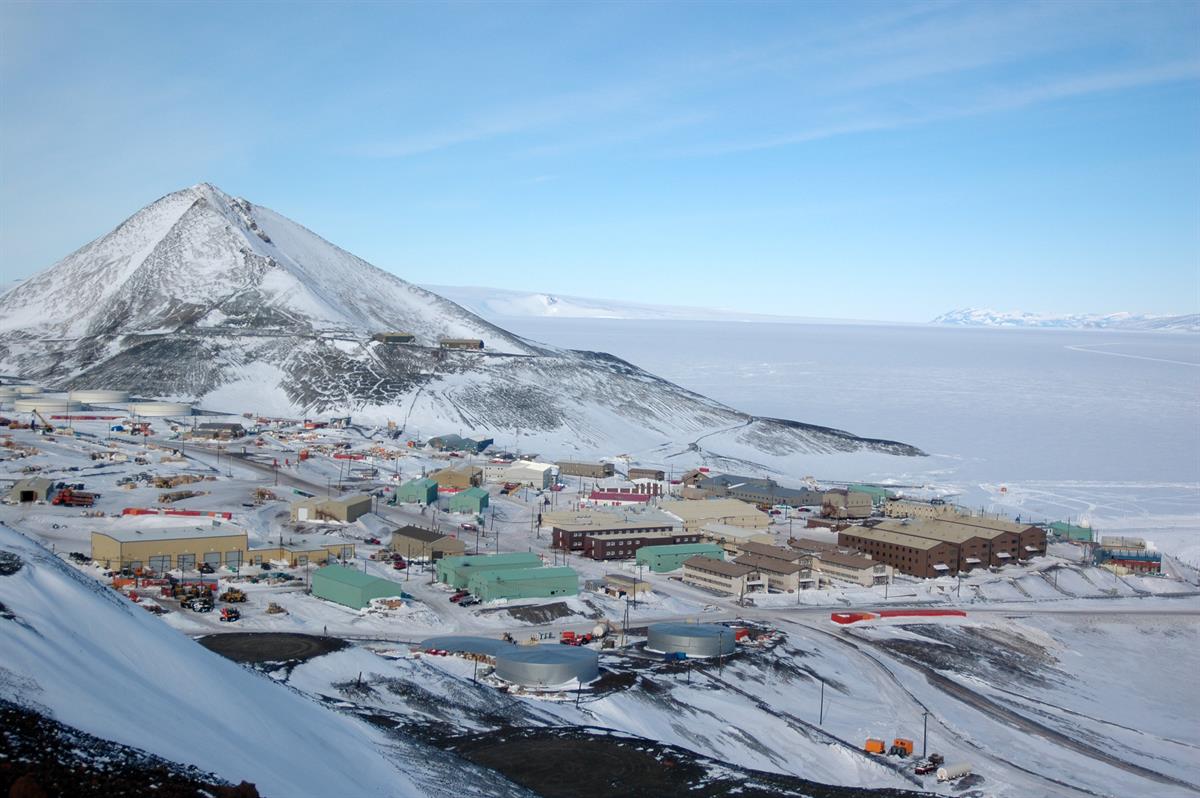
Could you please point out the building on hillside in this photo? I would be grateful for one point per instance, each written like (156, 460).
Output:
(568, 529)
(521, 583)
(842, 503)
(910, 508)
(458, 478)
(1031, 539)
(694, 477)
(908, 554)
(616, 498)
(851, 568)
(728, 578)
(1125, 556)
(413, 542)
(460, 343)
(654, 474)
(457, 571)
(167, 548)
(778, 575)
(31, 489)
(345, 509)
(471, 500)
(572, 468)
(301, 550)
(664, 558)
(218, 431)
(975, 546)
(393, 337)
(457, 443)
(421, 491)
(695, 515)
(758, 491)
(351, 588)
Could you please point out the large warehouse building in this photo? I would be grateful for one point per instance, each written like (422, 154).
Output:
(695, 515)
(938, 546)
(457, 571)
(568, 530)
(168, 548)
(351, 588)
(521, 583)
(412, 542)
(346, 509)
(664, 559)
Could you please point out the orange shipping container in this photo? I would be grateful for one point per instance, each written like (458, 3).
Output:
(874, 746)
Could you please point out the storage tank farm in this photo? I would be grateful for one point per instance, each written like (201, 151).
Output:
(696, 640)
(99, 396)
(46, 404)
(547, 665)
(159, 409)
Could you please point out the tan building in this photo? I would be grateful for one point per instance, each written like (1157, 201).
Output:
(412, 542)
(842, 503)
(165, 549)
(570, 528)
(772, 551)
(346, 509)
(907, 508)
(458, 478)
(695, 515)
(730, 578)
(31, 489)
(620, 586)
(572, 468)
(779, 575)
(653, 474)
(851, 568)
(733, 538)
(300, 550)
(460, 343)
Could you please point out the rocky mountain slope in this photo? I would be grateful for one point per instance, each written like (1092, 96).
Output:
(205, 297)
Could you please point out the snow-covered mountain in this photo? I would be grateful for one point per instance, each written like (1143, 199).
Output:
(76, 651)
(982, 317)
(204, 297)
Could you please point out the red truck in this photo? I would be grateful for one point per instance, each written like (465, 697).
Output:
(74, 498)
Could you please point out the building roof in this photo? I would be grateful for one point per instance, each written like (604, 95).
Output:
(482, 561)
(526, 574)
(731, 569)
(811, 545)
(612, 495)
(479, 493)
(418, 534)
(847, 560)
(170, 533)
(715, 509)
(349, 576)
(596, 520)
(999, 525)
(943, 529)
(675, 549)
(730, 532)
(769, 564)
(774, 552)
(896, 538)
(632, 534)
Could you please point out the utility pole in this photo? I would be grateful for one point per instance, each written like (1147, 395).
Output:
(821, 714)
(925, 734)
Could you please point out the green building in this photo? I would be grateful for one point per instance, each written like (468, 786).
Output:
(877, 494)
(349, 587)
(662, 559)
(471, 500)
(457, 571)
(424, 491)
(518, 583)
(1072, 531)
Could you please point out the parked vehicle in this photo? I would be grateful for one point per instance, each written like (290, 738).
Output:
(233, 596)
(205, 568)
(230, 614)
(468, 601)
(399, 565)
(901, 747)
(373, 541)
(927, 766)
(71, 497)
(459, 596)
(468, 527)
(952, 772)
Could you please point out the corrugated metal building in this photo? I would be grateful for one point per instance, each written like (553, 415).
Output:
(664, 559)
(457, 571)
(351, 588)
(421, 491)
(343, 508)
(694, 515)
(519, 583)
(471, 500)
(592, 470)
(166, 548)
(414, 542)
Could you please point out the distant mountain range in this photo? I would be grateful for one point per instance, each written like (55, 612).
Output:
(982, 317)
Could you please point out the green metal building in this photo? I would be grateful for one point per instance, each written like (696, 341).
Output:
(877, 494)
(1072, 531)
(663, 559)
(521, 583)
(351, 588)
(471, 500)
(424, 491)
(457, 571)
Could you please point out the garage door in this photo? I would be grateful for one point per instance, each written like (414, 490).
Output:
(213, 558)
(161, 564)
(233, 559)
(186, 562)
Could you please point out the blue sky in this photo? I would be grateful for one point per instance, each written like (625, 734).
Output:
(879, 160)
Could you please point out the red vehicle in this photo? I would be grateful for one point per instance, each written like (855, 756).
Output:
(468, 527)
(557, 486)
(459, 596)
(399, 565)
(372, 541)
(74, 498)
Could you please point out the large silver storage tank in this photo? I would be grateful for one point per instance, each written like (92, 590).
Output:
(160, 409)
(693, 639)
(99, 396)
(547, 665)
(465, 644)
(28, 390)
(46, 404)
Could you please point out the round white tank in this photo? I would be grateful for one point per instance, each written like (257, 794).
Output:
(46, 404)
(160, 409)
(99, 396)
(28, 390)
(8, 391)
(692, 639)
(547, 665)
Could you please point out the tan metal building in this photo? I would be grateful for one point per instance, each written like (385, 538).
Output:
(413, 542)
(346, 509)
(460, 343)
(907, 508)
(167, 548)
(656, 474)
(305, 550)
(733, 538)
(697, 514)
(458, 478)
(852, 568)
(842, 503)
(572, 468)
(730, 578)
(568, 529)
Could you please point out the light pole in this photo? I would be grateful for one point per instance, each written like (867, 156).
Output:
(924, 734)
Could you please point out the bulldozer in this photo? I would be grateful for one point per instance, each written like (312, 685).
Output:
(233, 596)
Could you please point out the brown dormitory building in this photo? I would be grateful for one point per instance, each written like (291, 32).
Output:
(936, 547)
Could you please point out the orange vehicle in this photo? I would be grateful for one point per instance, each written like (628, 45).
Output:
(875, 746)
(901, 747)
